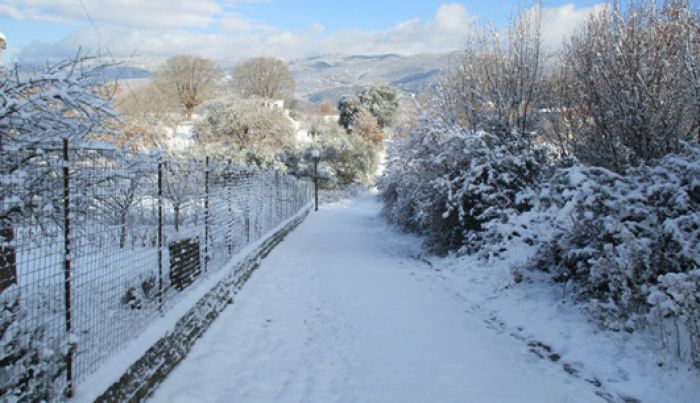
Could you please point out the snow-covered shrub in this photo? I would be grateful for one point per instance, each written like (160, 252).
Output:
(676, 298)
(622, 243)
(447, 182)
(345, 159)
(143, 292)
(31, 369)
(243, 124)
(410, 198)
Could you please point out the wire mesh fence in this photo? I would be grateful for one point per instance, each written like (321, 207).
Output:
(95, 244)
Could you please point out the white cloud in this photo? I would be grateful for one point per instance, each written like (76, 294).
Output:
(247, 38)
(239, 37)
(560, 22)
(131, 13)
(452, 17)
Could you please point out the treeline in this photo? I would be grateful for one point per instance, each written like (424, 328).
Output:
(588, 158)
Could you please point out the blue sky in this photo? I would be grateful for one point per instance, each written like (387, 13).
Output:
(39, 29)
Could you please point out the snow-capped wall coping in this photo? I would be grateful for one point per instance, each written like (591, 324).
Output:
(134, 374)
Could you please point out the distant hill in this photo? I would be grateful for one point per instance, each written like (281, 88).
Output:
(330, 76)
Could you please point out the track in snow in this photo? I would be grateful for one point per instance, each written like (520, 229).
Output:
(341, 312)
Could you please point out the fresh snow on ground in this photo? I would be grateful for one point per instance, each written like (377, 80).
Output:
(347, 310)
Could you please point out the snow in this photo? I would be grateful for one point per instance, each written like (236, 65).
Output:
(345, 309)
(110, 371)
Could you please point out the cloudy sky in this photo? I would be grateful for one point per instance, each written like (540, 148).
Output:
(41, 29)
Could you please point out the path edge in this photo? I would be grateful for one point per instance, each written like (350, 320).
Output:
(144, 376)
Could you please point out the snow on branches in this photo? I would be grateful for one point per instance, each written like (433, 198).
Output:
(38, 111)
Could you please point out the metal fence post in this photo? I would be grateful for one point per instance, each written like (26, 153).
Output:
(270, 208)
(160, 236)
(67, 266)
(206, 213)
(278, 200)
(229, 197)
(247, 217)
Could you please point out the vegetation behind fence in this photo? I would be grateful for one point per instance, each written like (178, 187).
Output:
(96, 243)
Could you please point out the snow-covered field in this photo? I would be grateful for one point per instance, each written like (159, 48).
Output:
(347, 310)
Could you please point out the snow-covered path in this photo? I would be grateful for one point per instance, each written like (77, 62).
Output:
(341, 311)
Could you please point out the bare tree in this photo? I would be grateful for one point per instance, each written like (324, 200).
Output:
(191, 79)
(264, 77)
(123, 196)
(494, 85)
(561, 120)
(180, 185)
(147, 112)
(65, 101)
(635, 75)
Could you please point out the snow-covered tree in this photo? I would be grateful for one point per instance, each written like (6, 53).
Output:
(381, 101)
(243, 123)
(349, 106)
(634, 76)
(122, 189)
(494, 84)
(38, 111)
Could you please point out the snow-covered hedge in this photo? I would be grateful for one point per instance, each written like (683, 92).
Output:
(627, 245)
(447, 183)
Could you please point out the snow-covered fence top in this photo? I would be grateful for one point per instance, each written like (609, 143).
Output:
(96, 243)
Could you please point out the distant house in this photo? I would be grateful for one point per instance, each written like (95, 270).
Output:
(275, 104)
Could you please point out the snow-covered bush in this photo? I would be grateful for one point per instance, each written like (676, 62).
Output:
(622, 236)
(676, 299)
(622, 231)
(345, 159)
(143, 292)
(447, 182)
(32, 369)
(243, 123)
(627, 245)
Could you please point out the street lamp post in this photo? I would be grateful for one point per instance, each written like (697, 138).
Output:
(316, 155)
